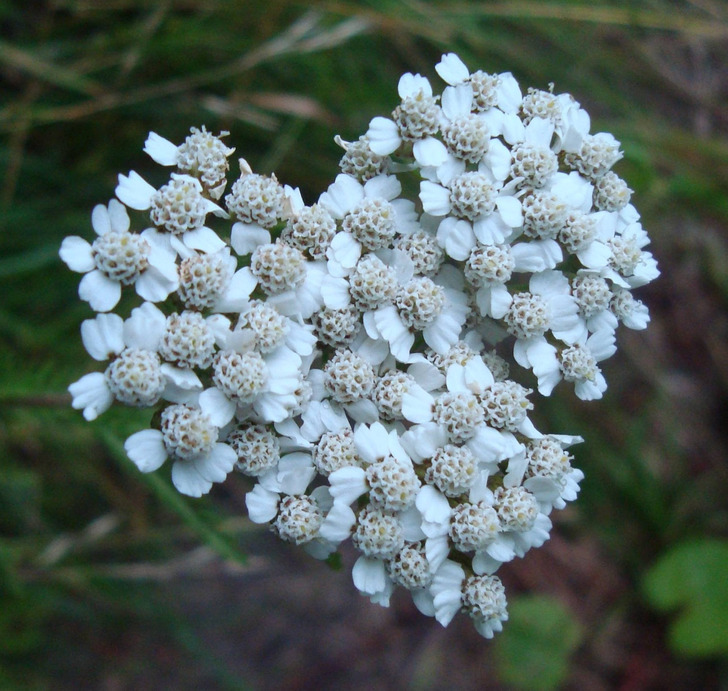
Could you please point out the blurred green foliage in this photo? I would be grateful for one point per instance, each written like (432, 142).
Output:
(533, 651)
(81, 84)
(692, 577)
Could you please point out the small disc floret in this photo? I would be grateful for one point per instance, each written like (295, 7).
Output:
(257, 448)
(459, 413)
(257, 199)
(278, 267)
(472, 196)
(240, 376)
(203, 279)
(527, 316)
(372, 283)
(489, 264)
(135, 377)
(533, 164)
(467, 137)
(420, 301)
(371, 222)
(187, 341)
(517, 508)
(410, 568)
(393, 484)
(121, 256)
(473, 526)
(422, 248)
(335, 450)
(452, 470)
(299, 519)
(179, 205)
(348, 377)
(310, 231)
(505, 404)
(187, 432)
(378, 533)
(269, 326)
(417, 116)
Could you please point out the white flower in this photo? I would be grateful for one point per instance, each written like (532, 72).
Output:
(190, 439)
(178, 209)
(118, 257)
(136, 376)
(576, 363)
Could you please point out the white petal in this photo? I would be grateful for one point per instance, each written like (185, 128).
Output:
(347, 484)
(413, 84)
(509, 93)
(245, 238)
(417, 405)
(183, 385)
(118, 216)
(383, 136)
(262, 504)
(437, 550)
(342, 195)
(429, 152)
(155, 286)
(135, 191)
(335, 292)
(187, 479)
(146, 450)
(338, 524)
(145, 327)
(216, 465)
(535, 256)
(368, 575)
(372, 442)
(435, 198)
(457, 101)
(217, 406)
(77, 255)
(103, 336)
(510, 211)
(295, 473)
(101, 293)
(161, 150)
(498, 159)
(456, 237)
(385, 186)
(100, 219)
(203, 239)
(483, 563)
(446, 589)
(91, 394)
(452, 69)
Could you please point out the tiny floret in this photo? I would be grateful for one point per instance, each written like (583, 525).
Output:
(256, 199)
(348, 377)
(188, 341)
(278, 267)
(187, 432)
(378, 533)
(393, 484)
(298, 520)
(473, 526)
(420, 302)
(257, 448)
(179, 205)
(135, 377)
(240, 376)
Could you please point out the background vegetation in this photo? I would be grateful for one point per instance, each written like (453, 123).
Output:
(110, 580)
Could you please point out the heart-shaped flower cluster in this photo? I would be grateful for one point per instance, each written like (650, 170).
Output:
(354, 357)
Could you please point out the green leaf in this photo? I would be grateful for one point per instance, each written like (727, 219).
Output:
(533, 650)
(692, 578)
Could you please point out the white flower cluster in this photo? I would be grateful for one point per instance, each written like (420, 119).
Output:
(343, 355)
